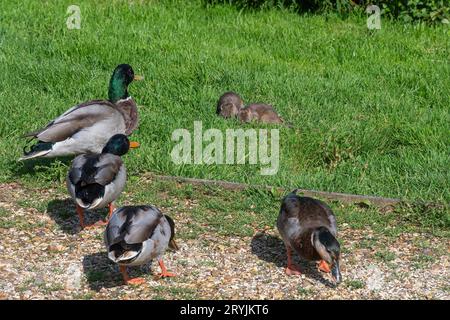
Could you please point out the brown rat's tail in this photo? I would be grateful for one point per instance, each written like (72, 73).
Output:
(287, 124)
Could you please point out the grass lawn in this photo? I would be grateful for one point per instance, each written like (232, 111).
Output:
(370, 109)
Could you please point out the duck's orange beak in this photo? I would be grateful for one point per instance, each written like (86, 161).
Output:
(134, 144)
(138, 78)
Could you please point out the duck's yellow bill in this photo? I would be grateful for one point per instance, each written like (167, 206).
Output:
(134, 144)
(138, 77)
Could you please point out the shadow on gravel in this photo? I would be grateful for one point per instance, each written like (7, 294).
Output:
(103, 273)
(64, 214)
(271, 249)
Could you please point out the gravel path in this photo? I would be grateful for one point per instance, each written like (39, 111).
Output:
(43, 258)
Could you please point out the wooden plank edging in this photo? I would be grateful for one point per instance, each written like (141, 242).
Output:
(343, 197)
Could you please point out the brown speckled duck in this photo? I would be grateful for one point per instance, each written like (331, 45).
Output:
(308, 227)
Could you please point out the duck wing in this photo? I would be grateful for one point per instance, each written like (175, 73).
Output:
(134, 224)
(96, 168)
(299, 214)
(75, 119)
(315, 213)
(288, 222)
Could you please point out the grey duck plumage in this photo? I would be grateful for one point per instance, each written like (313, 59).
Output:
(96, 180)
(85, 128)
(136, 235)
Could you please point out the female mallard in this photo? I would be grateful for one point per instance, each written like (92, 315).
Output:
(96, 180)
(85, 128)
(136, 235)
(308, 226)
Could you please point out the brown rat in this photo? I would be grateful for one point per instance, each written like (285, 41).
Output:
(229, 105)
(259, 112)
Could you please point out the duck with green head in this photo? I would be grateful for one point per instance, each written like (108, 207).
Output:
(96, 180)
(85, 128)
(308, 227)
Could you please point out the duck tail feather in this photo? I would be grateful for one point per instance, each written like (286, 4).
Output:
(127, 255)
(173, 245)
(32, 134)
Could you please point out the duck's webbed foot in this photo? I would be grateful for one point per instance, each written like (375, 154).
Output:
(97, 224)
(164, 273)
(127, 279)
(111, 208)
(102, 223)
(292, 269)
(80, 212)
(135, 281)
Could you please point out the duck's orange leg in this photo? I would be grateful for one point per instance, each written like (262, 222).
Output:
(127, 279)
(80, 212)
(324, 266)
(292, 269)
(97, 224)
(164, 273)
(100, 223)
(111, 210)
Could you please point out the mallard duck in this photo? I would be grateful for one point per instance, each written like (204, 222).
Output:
(259, 112)
(136, 235)
(85, 128)
(96, 180)
(308, 226)
(229, 104)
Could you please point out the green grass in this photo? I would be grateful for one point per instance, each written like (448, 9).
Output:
(240, 213)
(235, 213)
(370, 109)
(84, 296)
(174, 292)
(385, 255)
(420, 261)
(4, 213)
(304, 291)
(355, 284)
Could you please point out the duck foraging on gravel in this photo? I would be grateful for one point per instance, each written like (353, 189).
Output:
(85, 128)
(96, 180)
(136, 235)
(308, 226)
